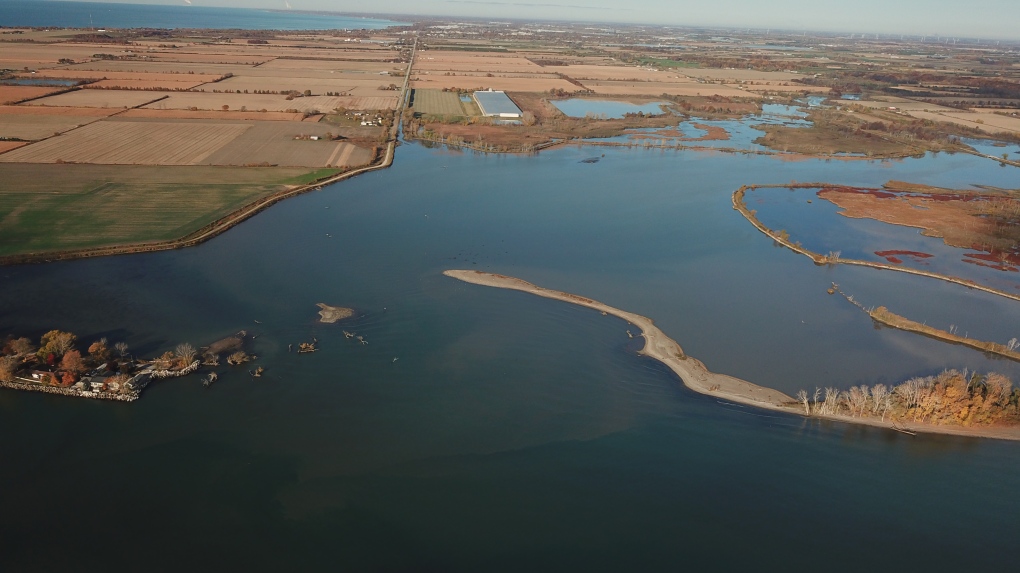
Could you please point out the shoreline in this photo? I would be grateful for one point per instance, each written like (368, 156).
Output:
(697, 377)
(232, 219)
(740, 206)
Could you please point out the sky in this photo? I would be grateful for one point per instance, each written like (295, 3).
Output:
(977, 18)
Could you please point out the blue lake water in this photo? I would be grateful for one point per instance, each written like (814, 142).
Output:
(512, 432)
(608, 109)
(816, 223)
(111, 15)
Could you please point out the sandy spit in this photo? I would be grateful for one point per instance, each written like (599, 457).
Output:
(691, 371)
(697, 377)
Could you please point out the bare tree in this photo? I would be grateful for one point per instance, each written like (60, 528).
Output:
(879, 392)
(121, 348)
(831, 404)
(857, 399)
(803, 398)
(185, 352)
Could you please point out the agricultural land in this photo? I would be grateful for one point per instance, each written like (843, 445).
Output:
(136, 137)
(281, 107)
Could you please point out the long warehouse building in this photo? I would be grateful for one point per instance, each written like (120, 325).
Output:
(496, 104)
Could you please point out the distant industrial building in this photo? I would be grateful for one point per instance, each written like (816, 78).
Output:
(497, 104)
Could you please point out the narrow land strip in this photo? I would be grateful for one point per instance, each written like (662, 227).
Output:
(698, 378)
(819, 259)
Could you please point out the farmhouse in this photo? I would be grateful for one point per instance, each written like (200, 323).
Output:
(496, 104)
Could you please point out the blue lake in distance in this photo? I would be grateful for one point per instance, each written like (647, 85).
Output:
(44, 13)
(609, 109)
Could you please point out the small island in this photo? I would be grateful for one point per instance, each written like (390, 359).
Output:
(105, 371)
(330, 314)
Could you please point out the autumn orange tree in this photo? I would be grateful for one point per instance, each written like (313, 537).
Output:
(55, 342)
(72, 362)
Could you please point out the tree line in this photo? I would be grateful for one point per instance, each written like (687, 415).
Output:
(949, 398)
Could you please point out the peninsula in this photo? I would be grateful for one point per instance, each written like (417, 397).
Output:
(696, 376)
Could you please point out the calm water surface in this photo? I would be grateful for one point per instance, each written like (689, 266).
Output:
(512, 432)
(115, 15)
(581, 107)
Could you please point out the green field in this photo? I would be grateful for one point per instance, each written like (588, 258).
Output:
(57, 207)
(438, 102)
(664, 63)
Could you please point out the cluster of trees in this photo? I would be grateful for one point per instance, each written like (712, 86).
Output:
(179, 358)
(58, 359)
(952, 397)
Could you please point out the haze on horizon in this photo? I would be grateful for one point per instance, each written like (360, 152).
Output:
(983, 19)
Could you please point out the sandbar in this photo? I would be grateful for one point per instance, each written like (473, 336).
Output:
(331, 314)
(697, 377)
(658, 345)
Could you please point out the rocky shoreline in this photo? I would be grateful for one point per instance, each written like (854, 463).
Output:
(32, 387)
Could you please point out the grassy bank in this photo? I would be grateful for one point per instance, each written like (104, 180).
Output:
(66, 207)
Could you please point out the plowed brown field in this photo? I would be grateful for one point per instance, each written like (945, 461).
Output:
(6, 146)
(210, 114)
(143, 84)
(14, 94)
(99, 98)
(132, 143)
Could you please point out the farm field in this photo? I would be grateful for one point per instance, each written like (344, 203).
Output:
(6, 146)
(99, 98)
(269, 102)
(84, 206)
(740, 75)
(211, 69)
(14, 94)
(36, 127)
(75, 74)
(144, 84)
(659, 88)
(274, 142)
(901, 104)
(154, 147)
(437, 102)
(439, 82)
(146, 141)
(291, 65)
(56, 111)
(363, 85)
(15, 56)
(985, 121)
(618, 73)
(125, 142)
(461, 61)
(166, 114)
(308, 56)
(783, 87)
